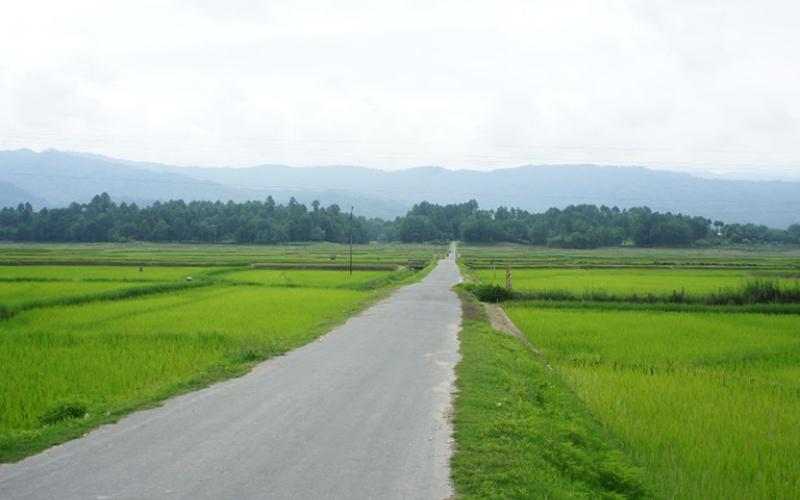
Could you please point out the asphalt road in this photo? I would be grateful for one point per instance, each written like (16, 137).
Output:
(360, 413)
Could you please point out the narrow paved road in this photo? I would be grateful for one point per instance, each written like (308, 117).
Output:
(360, 413)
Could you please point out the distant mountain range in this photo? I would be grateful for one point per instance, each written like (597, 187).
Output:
(55, 178)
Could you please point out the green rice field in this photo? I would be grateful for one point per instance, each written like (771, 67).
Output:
(662, 399)
(82, 344)
(380, 254)
(23, 293)
(705, 398)
(99, 273)
(708, 403)
(515, 255)
(112, 352)
(24, 286)
(305, 278)
(634, 280)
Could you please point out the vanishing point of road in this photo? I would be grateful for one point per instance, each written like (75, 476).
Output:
(360, 413)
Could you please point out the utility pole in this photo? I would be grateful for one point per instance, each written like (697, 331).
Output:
(351, 241)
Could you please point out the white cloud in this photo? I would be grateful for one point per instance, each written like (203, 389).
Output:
(696, 85)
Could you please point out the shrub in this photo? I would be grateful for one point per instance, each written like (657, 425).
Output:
(64, 410)
(758, 292)
(491, 293)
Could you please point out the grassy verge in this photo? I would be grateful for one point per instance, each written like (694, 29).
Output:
(520, 433)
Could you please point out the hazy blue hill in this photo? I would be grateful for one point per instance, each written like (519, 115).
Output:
(11, 196)
(60, 177)
(537, 188)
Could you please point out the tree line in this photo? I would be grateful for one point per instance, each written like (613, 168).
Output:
(260, 222)
(580, 226)
(268, 222)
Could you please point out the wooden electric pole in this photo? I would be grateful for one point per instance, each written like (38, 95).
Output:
(351, 241)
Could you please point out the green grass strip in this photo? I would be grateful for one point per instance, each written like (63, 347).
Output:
(521, 433)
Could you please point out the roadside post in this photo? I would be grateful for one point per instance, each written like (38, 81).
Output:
(351, 241)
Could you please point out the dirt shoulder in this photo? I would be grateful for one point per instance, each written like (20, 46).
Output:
(502, 323)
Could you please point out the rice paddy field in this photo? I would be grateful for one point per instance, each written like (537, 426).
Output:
(319, 254)
(19, 294)
(98, 273)
(113, 351)
(514, 255)
(708, 403)
(305, 278)
(705, 400)
(85, 343)
(625, 281)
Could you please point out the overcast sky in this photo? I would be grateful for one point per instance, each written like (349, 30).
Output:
(689, 85)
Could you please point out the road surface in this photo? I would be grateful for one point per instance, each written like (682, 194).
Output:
(360, 413)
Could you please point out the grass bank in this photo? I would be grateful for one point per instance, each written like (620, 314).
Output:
(521, 433)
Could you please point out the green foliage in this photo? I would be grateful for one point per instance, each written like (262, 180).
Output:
(761, 292)
(489, 293)
(752, 233)
(266, 222)
(64, 410)
(577, 226)
(415, 228)
(256, 222)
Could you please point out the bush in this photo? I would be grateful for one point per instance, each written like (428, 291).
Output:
(491, 293)
(758, 292)
(64, 410)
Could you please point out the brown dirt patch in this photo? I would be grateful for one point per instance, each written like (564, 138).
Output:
(502, 323)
